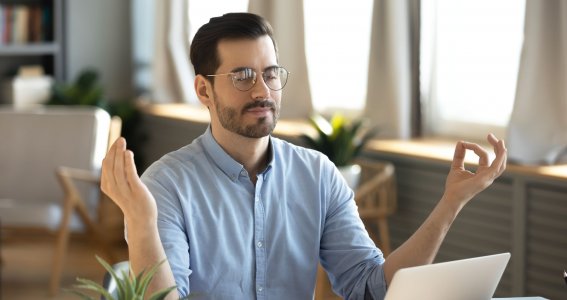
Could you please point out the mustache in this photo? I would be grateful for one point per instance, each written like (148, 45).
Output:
(262, 104)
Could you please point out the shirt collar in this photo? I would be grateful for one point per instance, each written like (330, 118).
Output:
(224, 162)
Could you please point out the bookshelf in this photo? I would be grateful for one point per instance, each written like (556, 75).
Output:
(31, 33)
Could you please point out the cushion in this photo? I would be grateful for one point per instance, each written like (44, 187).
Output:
(33, 144)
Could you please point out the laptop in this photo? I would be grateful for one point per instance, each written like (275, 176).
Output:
(473, 278)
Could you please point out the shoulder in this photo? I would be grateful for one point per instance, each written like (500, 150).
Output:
(178, 163)
(291, 155)
(288, 150)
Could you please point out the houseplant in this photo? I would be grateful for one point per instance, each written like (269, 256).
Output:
(341, 140)
(128, 287)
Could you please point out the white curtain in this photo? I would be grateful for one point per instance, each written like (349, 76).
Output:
(537, 132)
(389, 95)
(172, 72)
(286, 18)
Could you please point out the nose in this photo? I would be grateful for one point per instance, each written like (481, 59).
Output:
(260, 91)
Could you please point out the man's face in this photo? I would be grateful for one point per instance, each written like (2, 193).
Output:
(253, 113)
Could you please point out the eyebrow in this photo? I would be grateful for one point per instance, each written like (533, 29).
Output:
(238, 69)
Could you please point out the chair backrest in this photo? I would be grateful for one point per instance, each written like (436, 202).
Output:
(376, 196)
(33, 143)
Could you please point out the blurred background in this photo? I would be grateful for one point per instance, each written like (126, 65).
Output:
(424, 73)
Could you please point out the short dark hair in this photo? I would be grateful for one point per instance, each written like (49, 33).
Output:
(204, 52)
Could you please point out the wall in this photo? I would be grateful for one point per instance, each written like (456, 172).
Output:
(98, 35)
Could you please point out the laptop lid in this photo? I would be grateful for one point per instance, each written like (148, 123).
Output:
(473, 278)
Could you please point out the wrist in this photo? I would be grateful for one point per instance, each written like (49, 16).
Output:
(451, 204)
(141, 229)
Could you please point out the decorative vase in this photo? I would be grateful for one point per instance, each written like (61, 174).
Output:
(351, 173)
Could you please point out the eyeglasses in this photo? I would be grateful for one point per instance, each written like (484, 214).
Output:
(244, 79)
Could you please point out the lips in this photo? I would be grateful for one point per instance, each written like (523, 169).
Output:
(259, 107)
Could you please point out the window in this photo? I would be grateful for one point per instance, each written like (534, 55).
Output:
(337, 42)
(470, 55)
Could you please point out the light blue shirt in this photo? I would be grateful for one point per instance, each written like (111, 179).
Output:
(228, 239)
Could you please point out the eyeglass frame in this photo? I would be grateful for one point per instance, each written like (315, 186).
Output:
(255, 77)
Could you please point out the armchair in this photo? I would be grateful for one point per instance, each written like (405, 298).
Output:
(35, 144)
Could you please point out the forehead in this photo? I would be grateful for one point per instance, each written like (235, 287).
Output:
(254, 53)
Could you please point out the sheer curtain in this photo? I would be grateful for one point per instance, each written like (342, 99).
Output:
(164, 84)
(171, 73)
(537, 129)
(391, 86)
(286, 18)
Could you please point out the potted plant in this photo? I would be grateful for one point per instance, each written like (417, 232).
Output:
(128, 286)
(341, 140)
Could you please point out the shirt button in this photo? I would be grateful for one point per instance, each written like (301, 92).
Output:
(260, 288)
(259, 244)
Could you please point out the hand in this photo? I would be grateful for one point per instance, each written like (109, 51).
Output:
(463, 185)
(120, 181)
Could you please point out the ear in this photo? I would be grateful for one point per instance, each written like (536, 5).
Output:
(204, 90)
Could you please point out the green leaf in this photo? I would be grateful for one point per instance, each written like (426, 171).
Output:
(92, 286)
(82, 296)
(340, 139)
(128, 287)
(322, 125)
(145, 279)
(161, 294)
(120, 284)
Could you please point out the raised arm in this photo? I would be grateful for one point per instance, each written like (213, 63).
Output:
(460, 187)
(121, 183)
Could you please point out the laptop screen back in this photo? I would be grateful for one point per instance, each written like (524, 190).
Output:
(473, 278)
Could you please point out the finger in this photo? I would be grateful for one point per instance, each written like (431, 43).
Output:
(500, 150)
(499, 163)
(495, 143)
(119, 173)
(459, 156)
(108, 167)
(492, 139)
(504, 164)
(130, 169)
(482, 154)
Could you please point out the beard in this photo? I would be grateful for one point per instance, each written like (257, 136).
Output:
(230, 119)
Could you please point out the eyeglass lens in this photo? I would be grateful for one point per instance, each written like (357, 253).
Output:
(274, 77)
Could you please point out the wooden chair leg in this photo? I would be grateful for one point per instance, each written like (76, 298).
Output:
(384, 236)
(96, 234)
(372, 234)
(60, 247)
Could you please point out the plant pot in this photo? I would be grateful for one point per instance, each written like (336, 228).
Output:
(351, 173)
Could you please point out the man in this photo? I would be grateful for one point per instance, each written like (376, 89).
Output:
(240, 214)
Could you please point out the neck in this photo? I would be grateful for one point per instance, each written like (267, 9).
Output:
(252, 153)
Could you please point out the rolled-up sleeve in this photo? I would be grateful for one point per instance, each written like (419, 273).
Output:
(171, 227)
(352, 260)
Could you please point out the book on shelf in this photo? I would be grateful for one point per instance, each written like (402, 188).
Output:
(25, 23)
